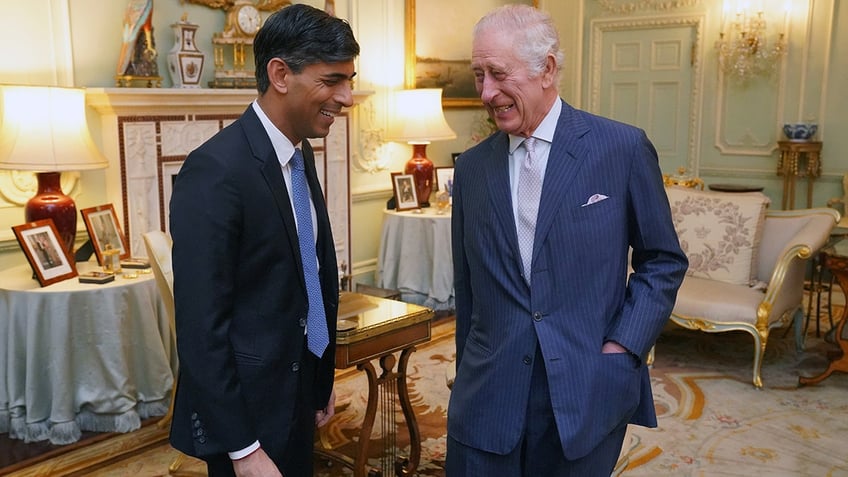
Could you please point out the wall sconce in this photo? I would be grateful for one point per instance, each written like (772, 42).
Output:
(44, 130)
(418, 119)
(743, 50)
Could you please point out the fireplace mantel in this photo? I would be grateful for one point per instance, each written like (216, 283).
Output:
(147, 133)
(143, 101)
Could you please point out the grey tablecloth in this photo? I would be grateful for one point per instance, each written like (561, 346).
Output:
(415, 257)
(79, 356)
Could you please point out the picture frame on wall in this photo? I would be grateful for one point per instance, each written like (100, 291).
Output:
(105, 233)
(404, 190)
(438, 46)
(46, 254)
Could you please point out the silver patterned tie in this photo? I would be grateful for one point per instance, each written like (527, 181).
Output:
(529, 190)
(317, 336)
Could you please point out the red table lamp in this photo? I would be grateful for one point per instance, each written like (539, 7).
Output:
(418, 120)
(44, 130)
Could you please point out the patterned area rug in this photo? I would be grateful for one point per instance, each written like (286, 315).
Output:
(712, 421)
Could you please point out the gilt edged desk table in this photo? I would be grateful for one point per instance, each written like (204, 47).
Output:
(372, 328)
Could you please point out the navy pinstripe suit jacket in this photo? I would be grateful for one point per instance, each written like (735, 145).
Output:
(581, 295)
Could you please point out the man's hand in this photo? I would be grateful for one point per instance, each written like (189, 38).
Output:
(323, 416)
(613, 347)
(257, 464)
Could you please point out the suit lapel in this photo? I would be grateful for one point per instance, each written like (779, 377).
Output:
(500, 192)
(564, 161)
(263, 151)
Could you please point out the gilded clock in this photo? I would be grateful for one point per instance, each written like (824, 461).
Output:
(248, 20)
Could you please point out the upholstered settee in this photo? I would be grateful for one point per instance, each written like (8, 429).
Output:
(747, 263)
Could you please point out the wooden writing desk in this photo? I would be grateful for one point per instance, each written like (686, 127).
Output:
(374, 328)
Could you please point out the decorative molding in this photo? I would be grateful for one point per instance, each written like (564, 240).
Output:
(372, 154)
(748, 143)
(659, 5)
(601, 26)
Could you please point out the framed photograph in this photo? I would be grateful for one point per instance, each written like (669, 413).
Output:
(438, 46)
(405, 195)
(444, 179)
(104, 231)
(45, 252)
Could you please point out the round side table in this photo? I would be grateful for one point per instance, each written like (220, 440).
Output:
(735, 188)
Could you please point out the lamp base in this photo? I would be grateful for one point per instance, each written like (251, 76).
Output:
(421, 169)
(51, 203)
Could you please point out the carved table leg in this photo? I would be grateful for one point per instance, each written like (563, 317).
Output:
(840, 270)
(408, 466)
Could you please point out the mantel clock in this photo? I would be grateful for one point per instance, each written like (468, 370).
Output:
(232, 44)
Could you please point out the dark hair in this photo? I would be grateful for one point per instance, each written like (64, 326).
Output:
(301, 35)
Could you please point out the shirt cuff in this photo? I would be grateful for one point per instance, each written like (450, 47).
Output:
(244, 452)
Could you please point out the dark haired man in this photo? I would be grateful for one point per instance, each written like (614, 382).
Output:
(255, 274)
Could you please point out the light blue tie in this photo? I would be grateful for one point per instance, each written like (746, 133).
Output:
(317, 337)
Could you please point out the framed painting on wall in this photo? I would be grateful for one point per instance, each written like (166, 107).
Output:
(438, 46)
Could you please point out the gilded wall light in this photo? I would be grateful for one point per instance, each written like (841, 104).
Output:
(744, 51)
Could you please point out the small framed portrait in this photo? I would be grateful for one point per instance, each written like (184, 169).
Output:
(405, 195)
(45, 252)
(444, 179)
(104, 231)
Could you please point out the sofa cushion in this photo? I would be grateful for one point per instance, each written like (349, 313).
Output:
(719, 232)
(697, 299)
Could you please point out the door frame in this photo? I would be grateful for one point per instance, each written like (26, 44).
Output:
(598, 27)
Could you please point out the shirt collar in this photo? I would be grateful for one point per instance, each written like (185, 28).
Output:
(282, 146)
(545, 130)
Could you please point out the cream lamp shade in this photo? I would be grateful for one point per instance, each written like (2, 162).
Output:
(44, 130)
(418, 119)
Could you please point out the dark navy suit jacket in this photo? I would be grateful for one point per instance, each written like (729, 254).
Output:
(580, 296)
(240, 297)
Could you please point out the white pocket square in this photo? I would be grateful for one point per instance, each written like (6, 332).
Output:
(595, 199)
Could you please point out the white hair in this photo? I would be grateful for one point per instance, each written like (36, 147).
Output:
(537, 37)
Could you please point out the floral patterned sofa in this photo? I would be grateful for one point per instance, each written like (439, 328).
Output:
(746, 263)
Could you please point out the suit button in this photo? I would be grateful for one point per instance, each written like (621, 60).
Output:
(197, 424)
(527, 360)
(295, 367)
(194, 416)
(302, 322)
(201, 439)
(537, 316)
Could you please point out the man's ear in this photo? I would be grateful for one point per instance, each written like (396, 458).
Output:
(549, 72)
(278, 74)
